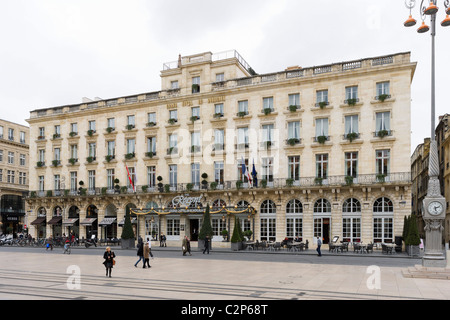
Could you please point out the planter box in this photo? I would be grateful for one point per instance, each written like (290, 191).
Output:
(127, 243)
(236, 246)
(412, 251)
(201, 245)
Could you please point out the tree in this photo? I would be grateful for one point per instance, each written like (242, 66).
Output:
(405, 228)
(206, 225)
(236, 237)
(127, 230)
(413, 232)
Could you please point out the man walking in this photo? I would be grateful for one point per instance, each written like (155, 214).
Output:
(207, 242)
(319, 244)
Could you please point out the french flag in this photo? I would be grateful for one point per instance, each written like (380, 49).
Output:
(245, 172)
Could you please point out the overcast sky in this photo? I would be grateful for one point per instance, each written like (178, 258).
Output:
(55, 52)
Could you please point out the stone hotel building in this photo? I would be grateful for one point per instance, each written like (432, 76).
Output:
(305, 152)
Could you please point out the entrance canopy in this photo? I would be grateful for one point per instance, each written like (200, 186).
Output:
(55, 220)
(88, 221)
(70, 222)
(107, 221)
(38, 221)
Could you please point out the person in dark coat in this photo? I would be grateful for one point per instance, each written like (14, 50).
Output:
(186, 246)
(207, 242)
(140, 251)
(109, 260)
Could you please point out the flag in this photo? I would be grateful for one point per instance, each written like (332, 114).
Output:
(245, 172)
(254, 173)
(129, 178)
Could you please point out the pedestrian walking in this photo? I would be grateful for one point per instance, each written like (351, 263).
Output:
(186, 246)
(109, 260)
(49, 243)
(146, 255)
(150, 248)
(140, 251)
(207, 242)
(319, 244)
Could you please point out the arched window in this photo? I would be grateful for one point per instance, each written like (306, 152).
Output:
(268, 207)
(322, 206)
(151, 204)
(243, 203)
(351, 205)
(383, 204)
(294, 206)
(218, 203)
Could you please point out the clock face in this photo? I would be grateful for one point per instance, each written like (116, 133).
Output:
(435, 208)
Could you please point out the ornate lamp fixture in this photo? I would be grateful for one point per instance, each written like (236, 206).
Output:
(431, 10)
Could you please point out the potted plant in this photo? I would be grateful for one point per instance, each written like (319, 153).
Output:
(323, 104)
(213, 185)
(267, 111)
(151, 124)
(236, 240)
(149, 154)
(218, 115)
(264, 183)
(129, 156)
(55, 163)
(293, 108)
(289, 182)
(109, 157)
(204, 181)
(382, 133)
(90, 159)
(109, 129)
(90, 132)
(40, 164)
(127, 237)
(241, 114)
(194, 118)
(189, 187)
(239, 184)
(348, 180)
(322, 139)
(352, 136)
(412, 240)
(172, 120)
(129, 126)
(293, 141)
(72, 161)
(167, 188)
(383, 97)
(144, 188)
(160, 184)
(351, 101)
(381, 177)
(225, 235)
(318, 181)
(206, 229)
(248, 234)
(73, 134)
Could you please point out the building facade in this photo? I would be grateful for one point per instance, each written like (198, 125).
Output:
(14, 158)
(419, 171)
(443, 145)
(317, 152)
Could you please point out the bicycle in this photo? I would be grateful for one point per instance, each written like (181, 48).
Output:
(67, 248)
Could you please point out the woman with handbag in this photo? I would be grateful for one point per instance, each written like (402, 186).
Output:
(109, 260)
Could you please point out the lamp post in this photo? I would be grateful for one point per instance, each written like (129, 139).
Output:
(434, 203)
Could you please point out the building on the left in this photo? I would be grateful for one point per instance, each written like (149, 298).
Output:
(14, 157)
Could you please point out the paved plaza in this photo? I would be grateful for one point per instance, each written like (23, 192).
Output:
(34, 273)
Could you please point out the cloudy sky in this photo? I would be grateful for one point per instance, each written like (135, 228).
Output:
(55, 52)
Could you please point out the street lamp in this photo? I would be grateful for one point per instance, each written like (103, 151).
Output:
(434, 203)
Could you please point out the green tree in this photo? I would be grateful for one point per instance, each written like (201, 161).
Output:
(236, 237)
(413, 232)
(405, 228)
(127, 230)
(206, 225)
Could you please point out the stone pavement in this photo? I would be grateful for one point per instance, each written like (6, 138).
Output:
(35, 274)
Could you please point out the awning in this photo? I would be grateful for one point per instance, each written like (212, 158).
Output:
(55, 220)
(39, 220)
(107, 221)
(88, 221)
(133, 220)
(70, 222)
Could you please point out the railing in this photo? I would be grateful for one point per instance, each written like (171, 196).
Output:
(279, 183)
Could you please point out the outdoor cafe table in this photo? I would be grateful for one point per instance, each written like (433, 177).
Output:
(251, 245)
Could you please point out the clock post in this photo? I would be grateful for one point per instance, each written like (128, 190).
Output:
(434, 206)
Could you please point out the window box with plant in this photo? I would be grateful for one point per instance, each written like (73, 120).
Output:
(322, 104)
(351, 136)
(195, 88)
(90, 159)
(349, 180)
(90, 133)
(318, 181)
(242, 114)
(110, 129)
(381, 177)
(351, 101)
(218, 115)
(109, 157)
(382, 133)
(130, 126)
(383, 97)
(293, 141)
(150, 154)
(322, 139)
(195, 118)
(56, 136)
(73, 134)
(130, 155)
(151, 124)
(40, 164)
(72, 161)
(172, 121)
(293, 108)
(56, 163)
(267, 111)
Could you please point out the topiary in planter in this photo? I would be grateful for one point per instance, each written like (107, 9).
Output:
(127, 236)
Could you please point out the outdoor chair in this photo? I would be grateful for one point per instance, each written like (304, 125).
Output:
(344, 247)
(356, 247)
(277, 246)
(369, 248)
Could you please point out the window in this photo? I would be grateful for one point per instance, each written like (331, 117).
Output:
(322, 96)
(383, 88)
(151, 145)
(268, 221)
(351, 93)
(92, 125)
(383, 122)
(110, 177)
(383, 230)
(91, 180)
(294, 168)
(218, 109)
(22, 178)
(111, 123)
(173, 175)
(351, 229)
(131, 178)
(131, 143)
(268, 133)
(151, 118)
(267, 169)
(11, 176)
(173, 114)
(218, 139)
(41, 155)
(268, 103)
(220, 77)
(351, 205)
(173, 227)
(195, 84)
(173, 140)
(92, 149)
(1, 155)
(57, 154)
(382, 159)
(243, 107)
(294, 227)
(351, 164)
(242, 136)
(195, 112)
(74, 151)
(322, 166)
(111, 148)
(73, 181)
(241, 175)
(74, 128)
(217, 225)
(174, 84)
(322, 206)
(11, 134)
(351, 124)
(151, 176)
(131, 121)
(1, 132)
(10, 157)
(294, 130)
(195, 174)
(57, 130)
(41, 133)
(219, 172)
(383, 205)
(1, 175)
(195, 141)
(294, 100)
(41, 183)
(22, 137)
(322, 127)
(21, 160)
(57, 182)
